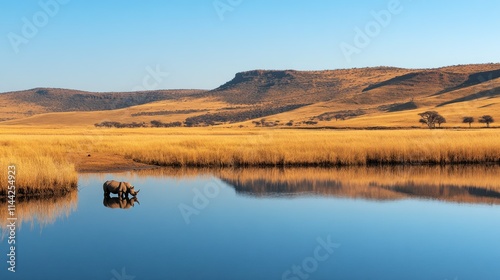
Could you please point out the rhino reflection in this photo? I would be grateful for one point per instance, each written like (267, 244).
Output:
(119, 203)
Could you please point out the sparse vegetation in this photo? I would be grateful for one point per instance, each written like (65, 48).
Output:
(440, 120)
(487, 119)
(339, 115)
(468, 120)
(431, 118)
(156, 123)
(166, 112)
(109, 124)
(239, 116)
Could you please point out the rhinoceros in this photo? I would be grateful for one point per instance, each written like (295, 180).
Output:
(120, 188)
(116, 202)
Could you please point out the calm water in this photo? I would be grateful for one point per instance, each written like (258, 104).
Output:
(403, 223)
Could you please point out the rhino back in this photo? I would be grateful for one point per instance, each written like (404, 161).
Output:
(111, 185)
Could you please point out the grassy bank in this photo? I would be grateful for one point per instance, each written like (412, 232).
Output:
(43, 160)
(314, 148)
(41, 168)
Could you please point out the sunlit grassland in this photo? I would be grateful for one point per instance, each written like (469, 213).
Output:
(237, 148)
(41, 155)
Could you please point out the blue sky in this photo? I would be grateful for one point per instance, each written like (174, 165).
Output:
(115, 45)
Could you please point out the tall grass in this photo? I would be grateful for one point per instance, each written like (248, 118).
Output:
(313, 148)
(43, 161)
(41, 167)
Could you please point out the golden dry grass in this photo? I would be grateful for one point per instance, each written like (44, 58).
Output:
(43, 156)
(41, 167)
(220, 148)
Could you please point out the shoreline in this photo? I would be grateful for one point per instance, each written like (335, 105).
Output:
(50, 160)
(126, 165)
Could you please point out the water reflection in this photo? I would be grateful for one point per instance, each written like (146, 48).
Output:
(39, 210)
(119, 203)
(412, 239)
(463, 184)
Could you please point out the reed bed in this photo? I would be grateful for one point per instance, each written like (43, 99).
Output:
(42, 168)
(313, 148)
(43, 161)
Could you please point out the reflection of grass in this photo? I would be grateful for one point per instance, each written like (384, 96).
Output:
(455, 183)
(465, 184)
(44, 211)
(483, 176)
(41, 154)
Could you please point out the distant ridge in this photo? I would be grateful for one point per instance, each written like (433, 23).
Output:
(293, 97)
(362, 85)
(47, 100)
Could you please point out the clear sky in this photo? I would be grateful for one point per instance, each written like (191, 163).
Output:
(118, 45)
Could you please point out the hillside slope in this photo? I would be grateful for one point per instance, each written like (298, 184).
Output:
(380, 96)
(49, 100)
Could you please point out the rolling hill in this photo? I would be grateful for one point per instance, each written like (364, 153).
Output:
(14, 105)
(380, 96)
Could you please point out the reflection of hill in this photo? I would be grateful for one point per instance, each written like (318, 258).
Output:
(43, 211)
(464, 184)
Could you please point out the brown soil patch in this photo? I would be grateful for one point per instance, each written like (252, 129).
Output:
(100, 162)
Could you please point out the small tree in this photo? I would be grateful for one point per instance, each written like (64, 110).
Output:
(440, 119)
(430, 118)
(468, 120)
(487, 119)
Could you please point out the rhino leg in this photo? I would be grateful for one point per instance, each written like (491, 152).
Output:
(106, 190)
